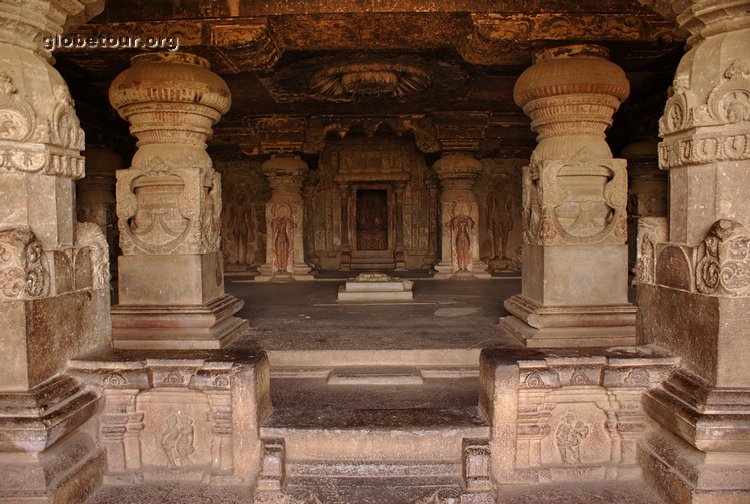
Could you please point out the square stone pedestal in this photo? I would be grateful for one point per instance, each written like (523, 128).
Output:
(375, 287)
(573, 296)
(175, 302)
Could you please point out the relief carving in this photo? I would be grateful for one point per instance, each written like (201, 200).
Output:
(90, 235)
(282, 227)
(24, 273)
(462, 225)
(500, 214)
(651, 230)
(177, 441)
(724, 264)
(727, 105)
(569, 434)
(17, 119)
(582, 200)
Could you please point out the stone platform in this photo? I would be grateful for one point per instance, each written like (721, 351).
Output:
(375, 288)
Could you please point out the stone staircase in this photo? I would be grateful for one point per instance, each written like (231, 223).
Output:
(370, 434)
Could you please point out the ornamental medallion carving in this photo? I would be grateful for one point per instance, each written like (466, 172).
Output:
(724, 264)
(17, 118)
(350, 80)
(582, 200)
(24, 273)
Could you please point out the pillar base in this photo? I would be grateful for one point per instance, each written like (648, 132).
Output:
(207, 326)
(46, 455)
(444, 271)
(682, 474)
(540, 326)
(301, 271)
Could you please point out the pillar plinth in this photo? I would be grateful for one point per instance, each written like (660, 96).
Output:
(54, 271)
(575, 274)
(171, 287)
(694, 273)
(459, 217)
(285, 252)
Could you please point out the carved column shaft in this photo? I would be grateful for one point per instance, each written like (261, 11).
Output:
(694, 292)
(432, 238)
(285, 211)
(574, 205)
(54, 278)
(169, 205)
(346, 249)
(399, 252)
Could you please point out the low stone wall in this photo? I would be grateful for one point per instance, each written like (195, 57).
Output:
(568, 415)
(179, 416)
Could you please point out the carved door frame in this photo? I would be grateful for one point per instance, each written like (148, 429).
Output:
(352, 206)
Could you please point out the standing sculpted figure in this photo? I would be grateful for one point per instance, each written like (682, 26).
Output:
(500, 217)
(240, 224)
(462, 224)
(283, 226)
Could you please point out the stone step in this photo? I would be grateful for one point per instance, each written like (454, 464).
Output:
(374, 422)
(427, 358)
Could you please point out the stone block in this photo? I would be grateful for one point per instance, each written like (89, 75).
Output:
(192, 418)
(567, 415)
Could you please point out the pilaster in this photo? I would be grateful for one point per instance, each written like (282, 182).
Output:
(54, 271)
(694, 290)
(459, 217)
(285, 253)
(574, 205)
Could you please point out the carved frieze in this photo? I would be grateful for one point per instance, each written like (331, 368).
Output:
(699, 131)
(24, 272)
(494, 34)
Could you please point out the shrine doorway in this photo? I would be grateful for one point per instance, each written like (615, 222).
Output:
(373, 227)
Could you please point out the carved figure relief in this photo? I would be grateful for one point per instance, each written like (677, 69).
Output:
(500, 206)
(282, 227)
(461, 225)
(24, 273)
(243, 235)
(177, 441)
(569, 434)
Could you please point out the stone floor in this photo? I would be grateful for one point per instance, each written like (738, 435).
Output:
(364, 492)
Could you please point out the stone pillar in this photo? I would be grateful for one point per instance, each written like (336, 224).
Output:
(308, 192)
(345, 191)
(575, 276)
(54, 272)
(399, 252)
(459, 217)
(697, 300)
(285, 248)
(648, 190)
(431, 257)
(95, 196)
(171, 284)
